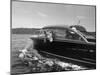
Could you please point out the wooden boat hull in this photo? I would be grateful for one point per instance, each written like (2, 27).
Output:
(81, 51)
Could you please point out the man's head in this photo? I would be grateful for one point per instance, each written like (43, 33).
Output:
(73, 28)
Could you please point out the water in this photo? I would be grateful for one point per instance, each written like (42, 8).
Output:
(44, 65)
(18, 43)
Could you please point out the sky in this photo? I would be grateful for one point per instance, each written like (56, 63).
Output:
(37, 15)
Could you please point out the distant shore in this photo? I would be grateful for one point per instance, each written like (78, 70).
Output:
(36, 31)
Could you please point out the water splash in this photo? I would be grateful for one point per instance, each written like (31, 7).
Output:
(38, 63)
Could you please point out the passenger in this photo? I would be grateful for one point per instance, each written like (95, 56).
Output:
(50, 36)
(75, 29)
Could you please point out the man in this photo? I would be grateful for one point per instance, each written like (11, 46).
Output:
(50, 36)
(80, 33)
